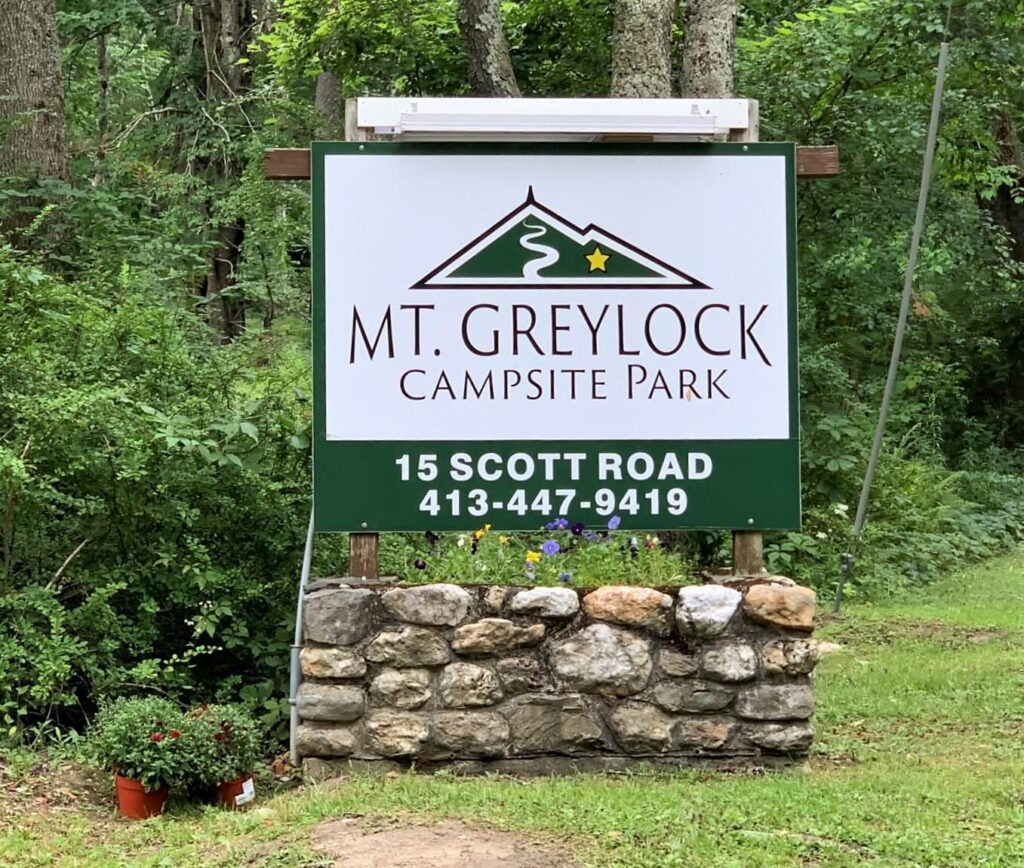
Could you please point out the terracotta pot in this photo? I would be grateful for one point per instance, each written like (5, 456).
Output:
(133, 801)
(237, 792)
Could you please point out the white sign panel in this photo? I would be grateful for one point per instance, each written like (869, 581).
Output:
(557, 296)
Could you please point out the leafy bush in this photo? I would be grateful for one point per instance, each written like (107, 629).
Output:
(221, 743)
(142, 738)
(153, 492)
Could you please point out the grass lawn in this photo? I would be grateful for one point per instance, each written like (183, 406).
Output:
(919, 761)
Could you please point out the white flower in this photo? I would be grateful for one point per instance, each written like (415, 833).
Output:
(821, 535)
(841, 509)
(461, 542)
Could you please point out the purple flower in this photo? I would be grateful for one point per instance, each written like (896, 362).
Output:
(577, 528)
(420, 564)
(614, 522)
(562, 524)
(550, 547)
(565, 576)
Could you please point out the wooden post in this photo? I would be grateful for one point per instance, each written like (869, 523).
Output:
(363, 556)
(364, 548)
(748, 545)
(747, 553)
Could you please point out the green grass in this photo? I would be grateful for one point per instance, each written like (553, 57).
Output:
(919, 761)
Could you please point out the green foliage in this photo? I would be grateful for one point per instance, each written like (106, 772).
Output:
(221, 742)
(152, 487)
(142, 738)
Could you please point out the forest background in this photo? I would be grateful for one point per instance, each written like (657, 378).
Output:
(154, 299)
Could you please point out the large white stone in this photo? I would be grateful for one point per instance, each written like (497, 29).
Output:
(547, 602)
(465, 684)
(730, 661)
(402, 688)
(433, 605)
(602, 659)
(704, 611)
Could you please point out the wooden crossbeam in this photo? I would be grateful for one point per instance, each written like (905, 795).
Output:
(292, 164)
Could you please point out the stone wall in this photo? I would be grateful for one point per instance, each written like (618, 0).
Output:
(442, 673)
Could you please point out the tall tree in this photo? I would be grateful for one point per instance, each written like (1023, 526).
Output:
(709, 30)
(224, 29)
(328, 105)
(490, 65)
(642, 48)
(31, 95)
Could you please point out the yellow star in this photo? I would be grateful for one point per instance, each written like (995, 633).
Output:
(597, 259)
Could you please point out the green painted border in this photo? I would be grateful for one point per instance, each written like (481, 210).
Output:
(329, 456)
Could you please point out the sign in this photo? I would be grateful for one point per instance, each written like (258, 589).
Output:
(512, 333)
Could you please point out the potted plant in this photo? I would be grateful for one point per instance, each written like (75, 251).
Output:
(224, 744)
(140, 738)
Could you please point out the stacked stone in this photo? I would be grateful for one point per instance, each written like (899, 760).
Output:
(442, 672)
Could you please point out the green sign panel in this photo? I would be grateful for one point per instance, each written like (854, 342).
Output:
(511, 333)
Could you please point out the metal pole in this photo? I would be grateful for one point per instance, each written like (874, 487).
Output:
(901, 323)
(295, 673)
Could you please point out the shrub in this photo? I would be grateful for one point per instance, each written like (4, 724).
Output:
(222, 742)
(142, 738)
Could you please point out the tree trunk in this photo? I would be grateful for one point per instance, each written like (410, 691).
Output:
(223, 25)
(709, 34)
(328, 106)
(226, 314)
(490, 65)
(102, 108)
(642, 48)
(31, 95)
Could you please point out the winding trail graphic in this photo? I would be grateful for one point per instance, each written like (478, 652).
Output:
(531, 269)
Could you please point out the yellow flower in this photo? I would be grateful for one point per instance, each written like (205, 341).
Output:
(478, 534)
(487, 528)
(503, 539)
(532, 557)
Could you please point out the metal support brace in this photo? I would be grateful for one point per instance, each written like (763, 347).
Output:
(295, 672)
(901, 322)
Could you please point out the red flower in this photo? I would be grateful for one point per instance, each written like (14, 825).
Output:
(175, 733)
(156, 738)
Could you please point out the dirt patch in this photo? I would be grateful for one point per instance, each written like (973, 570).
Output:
(69, 787)
(360, 843)
(942, 633)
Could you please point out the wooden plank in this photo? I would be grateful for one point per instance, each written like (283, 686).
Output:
(747, 553)
(292, 164)
(287, 164)
(817, 161)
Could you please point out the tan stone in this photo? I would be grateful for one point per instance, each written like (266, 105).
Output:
(493, 635)
(789, 656)
(633, 607)
(781, 606)
(494, 599)
(331, 662)
(708, 733)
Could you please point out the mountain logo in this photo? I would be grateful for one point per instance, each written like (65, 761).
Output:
(532, 247)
